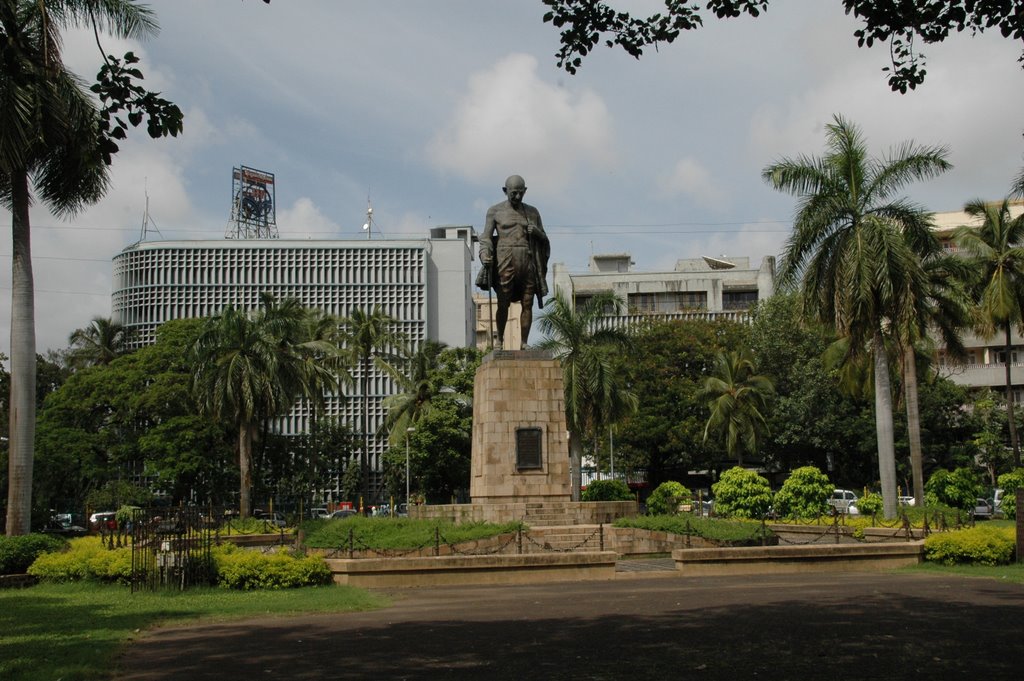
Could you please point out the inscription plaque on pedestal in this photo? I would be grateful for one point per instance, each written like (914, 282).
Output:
(528, 448)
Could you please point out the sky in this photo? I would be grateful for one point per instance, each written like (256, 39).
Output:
(424, 108)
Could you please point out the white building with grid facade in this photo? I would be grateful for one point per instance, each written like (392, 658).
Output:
(424, 284)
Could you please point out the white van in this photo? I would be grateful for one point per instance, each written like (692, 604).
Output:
(844, 501)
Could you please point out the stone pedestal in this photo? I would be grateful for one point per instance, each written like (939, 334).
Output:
(520, 442)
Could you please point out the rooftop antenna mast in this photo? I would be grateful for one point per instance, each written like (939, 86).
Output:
(146, 219)
(368, 225)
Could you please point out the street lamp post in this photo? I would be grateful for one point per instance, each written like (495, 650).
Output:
(407, 432)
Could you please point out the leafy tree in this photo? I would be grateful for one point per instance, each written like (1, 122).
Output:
(667, 367)
(995, 249)
(99, 343)
(666, 498)
(804, 494)
(586, 23)
(958, 488)
(988, 438)
(737, 397)
(1009, 483)
(742, 493)
(417, 387)
(852, 252)
(370, 339)
(54, 140)
(812, 421)
(595, 393)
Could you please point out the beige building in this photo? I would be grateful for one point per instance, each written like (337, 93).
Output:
(719, 287)
(984, 364)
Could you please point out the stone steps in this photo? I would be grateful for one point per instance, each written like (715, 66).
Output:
(566, 538)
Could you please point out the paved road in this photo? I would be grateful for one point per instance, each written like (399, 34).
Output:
(807, 626)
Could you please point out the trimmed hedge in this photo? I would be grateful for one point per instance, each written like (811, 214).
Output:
(741, 493)
(18, 552)
(241, 569)
(87, 559)
(979, 545)
(804, 494)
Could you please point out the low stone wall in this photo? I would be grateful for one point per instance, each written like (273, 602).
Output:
(552, 513)
(810, 558)
(527, 568)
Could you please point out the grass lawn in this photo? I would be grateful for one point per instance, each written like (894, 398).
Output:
(1007, 573)
(74, 632)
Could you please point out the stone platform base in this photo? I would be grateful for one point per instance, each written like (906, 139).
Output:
(763, 560)
(534, 514)
(531, 568)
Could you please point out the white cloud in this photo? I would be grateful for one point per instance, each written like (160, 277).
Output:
(305, 219)
(690, 178)
(511, 121)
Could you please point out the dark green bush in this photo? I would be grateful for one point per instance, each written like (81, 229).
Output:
(979, 545)
(804, 494)
(607, 490)
(17, 553)
(957, 489)
(742, 494)
(666, 498)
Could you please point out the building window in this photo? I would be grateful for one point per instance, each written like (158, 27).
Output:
(738, 300)
(668, 302)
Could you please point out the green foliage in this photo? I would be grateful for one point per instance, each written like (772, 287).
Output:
(870, 504)
(667, 369)
(742, 494)
(607, 490)
(1009, 482)
(86, 558)
(18, 552)
(957, 489)
(804, 494)
(713, 529)
(397, 533)
(666, 498)
(982, 545)
(245, 569)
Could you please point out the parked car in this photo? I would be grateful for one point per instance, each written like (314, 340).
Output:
(844, 501)
(103, 521)
(276, 519)
(906, 501)
(997, 502)
(319, 512)
(983, 509)
(344, 513)
(64, 528)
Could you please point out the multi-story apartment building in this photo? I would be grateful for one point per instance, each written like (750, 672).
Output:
(697, 287)
(424, 284)
(984, 364)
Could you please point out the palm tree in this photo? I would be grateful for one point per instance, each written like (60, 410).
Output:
(50, 141)
(369, 339)
(594, 393)
(941, 308)
(417, 388)
(248, 368)
(100, 343)
(995, 250)
(737, 396)
(852, 252)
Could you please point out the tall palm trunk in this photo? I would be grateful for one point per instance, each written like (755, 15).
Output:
(884, 427)
(245, 439)
(576, 461)
(22, 425)
(913, 423)
(364, 455)
(1014, 444)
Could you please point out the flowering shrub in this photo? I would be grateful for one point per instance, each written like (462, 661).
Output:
(85, 558)
(980, 545)
(241, 569)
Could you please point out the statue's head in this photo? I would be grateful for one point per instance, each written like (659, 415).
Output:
(515, 188)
